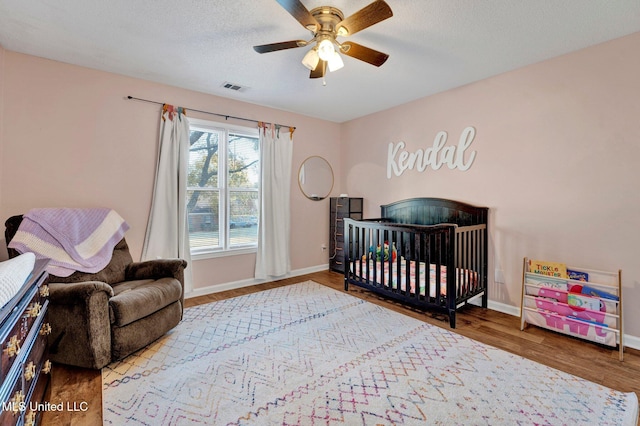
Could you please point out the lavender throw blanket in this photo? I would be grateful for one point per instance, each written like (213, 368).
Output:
(74, 239)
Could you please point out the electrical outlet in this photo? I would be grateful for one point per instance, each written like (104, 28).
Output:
(323, 247)
(499, 276)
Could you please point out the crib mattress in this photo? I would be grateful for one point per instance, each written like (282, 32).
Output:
(466, 279)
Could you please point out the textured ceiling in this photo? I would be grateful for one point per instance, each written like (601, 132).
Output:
(434, 45)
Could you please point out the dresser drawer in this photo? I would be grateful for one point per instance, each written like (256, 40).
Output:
(338, 236)
(343, 205)
(23, 336)
(14, 405)
(337, 262)
(27, 314)
(341, 214)
(33, 364)
(36, 406)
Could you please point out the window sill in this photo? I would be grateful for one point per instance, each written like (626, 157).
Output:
(223, 253)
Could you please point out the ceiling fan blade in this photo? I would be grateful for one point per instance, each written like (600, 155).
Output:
(320, 70)
(301, 13)
(365, 17)
(266, 48)
(363, 53)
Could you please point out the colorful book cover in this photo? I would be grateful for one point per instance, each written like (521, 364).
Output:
(577, 275)
(551, 269)
(601, 324)
(546, 281)
(598, 293)
(584, 302)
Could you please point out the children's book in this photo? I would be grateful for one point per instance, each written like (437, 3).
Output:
(598, 293)
(577, 275)
(546, 281)
(601, 324)
(551, 269)
(584, 302)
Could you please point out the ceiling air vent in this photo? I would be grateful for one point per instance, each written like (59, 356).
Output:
(233, 86)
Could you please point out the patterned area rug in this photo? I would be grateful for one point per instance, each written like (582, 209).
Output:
(309, 355)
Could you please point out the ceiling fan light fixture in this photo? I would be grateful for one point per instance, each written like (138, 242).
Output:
(311, 59)
(335, 62)
(326, 24)
(326, 49)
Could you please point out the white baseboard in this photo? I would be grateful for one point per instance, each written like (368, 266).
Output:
(504, 308)
(629, 341)
(632, 342)
(497, 306)
(217, 288)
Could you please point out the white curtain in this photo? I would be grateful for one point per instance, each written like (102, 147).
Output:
(274, 230)
(167, 233)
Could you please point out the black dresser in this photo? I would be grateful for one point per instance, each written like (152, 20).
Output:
(340, 208)
(24, 368)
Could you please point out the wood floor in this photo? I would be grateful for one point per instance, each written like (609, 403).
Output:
(587, 360)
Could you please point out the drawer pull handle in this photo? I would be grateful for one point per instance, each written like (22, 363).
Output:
(13, 347)
(44, 291)
(46, 367)
(16, 401)
(30, 419)
(45, 330)
(34, 310)
(29, 371)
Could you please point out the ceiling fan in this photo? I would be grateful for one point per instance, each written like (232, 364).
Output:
(326, 23)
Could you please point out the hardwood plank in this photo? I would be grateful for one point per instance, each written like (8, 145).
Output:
(79, 392)
(584, 359)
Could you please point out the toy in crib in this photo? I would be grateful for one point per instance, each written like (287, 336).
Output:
(382, 252)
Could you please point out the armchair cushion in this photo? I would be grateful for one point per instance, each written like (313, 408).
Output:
(159, 268)
(137, 299)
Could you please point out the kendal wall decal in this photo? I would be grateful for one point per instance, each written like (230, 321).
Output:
(399, 160)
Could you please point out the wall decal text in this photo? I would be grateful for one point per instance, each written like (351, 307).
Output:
(399, 160)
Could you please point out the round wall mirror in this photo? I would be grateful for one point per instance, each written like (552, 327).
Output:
(315, 178)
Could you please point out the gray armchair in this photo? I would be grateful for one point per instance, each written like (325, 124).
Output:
(102, 317)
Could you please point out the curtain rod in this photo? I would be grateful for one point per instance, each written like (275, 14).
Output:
(226, 117)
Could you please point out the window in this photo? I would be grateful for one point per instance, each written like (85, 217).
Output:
(222, 188)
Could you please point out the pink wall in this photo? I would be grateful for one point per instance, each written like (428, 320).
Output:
(69, 138)
(557, 148)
